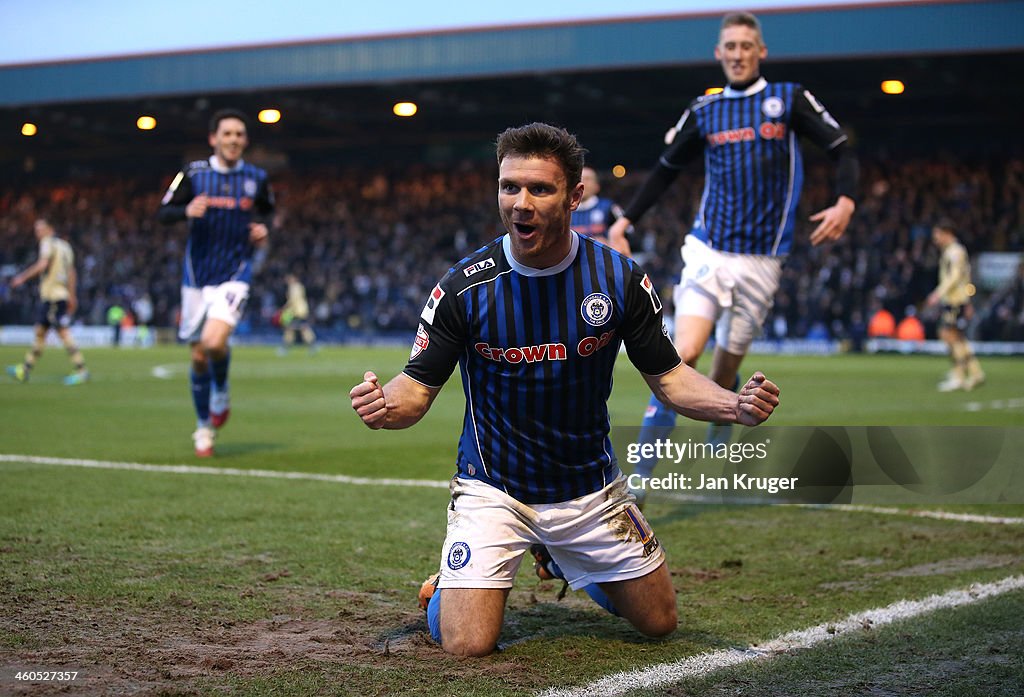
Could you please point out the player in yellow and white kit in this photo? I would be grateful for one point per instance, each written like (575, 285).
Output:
(954, 293)
(56, 265)
(295, 316)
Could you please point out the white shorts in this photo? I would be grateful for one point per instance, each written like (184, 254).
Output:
(736, 291)
(225, 302)
(597, 538)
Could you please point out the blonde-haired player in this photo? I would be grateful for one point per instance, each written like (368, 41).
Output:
(56, 265)
(954, 293)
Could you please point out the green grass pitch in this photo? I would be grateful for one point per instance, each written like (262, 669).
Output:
(162, 582)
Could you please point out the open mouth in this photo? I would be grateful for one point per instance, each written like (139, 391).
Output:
(523, 228)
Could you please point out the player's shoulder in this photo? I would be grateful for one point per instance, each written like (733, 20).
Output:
(479, 267)
(703, 101)
(252, 170)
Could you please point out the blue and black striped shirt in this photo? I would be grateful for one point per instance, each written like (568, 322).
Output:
(753, 168)
(595, 218)
(218, 244)
(536, 350)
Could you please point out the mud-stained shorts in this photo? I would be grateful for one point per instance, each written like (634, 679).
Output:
(598, 538)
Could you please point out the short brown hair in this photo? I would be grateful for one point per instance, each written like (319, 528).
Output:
(946, 225)
(222, 114)
(547, 141)
(742, 19)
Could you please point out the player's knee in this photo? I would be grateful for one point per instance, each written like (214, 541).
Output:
(466, 645)
(659, 624)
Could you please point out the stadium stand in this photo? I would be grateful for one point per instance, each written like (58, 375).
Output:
(372, 242)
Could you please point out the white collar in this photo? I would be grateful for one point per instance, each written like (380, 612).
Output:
(506, 246)
(587, 204)
(759, 84)
(218, 167)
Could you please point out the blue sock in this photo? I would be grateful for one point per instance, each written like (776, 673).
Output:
(220, 371)
(593, 590)
(599, 597)
(434, 615)
(659, 422)
(201, 396)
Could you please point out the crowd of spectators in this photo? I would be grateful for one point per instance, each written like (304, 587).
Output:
(369, 245)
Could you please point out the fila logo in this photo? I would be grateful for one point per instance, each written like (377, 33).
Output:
(646, 284)
(432, 302)
(479, 266)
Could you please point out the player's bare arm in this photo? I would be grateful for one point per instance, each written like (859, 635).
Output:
(72, 290)
(617, 238)
(196, 208)
(691, 394)
(258, 234)
(832, 221)
(31, 272)
(400, 403)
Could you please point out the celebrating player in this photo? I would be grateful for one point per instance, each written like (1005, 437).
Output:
(744, 227)
(535, 320)
(59, 300)
(227, 202)
(955, 297)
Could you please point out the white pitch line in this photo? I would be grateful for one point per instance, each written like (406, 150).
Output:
(228, 471)
(996, 404)
(916, 513)
(845, 507)
(707, 663)
(443, 484)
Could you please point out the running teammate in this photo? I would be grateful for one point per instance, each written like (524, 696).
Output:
(744, 227)
(227, 203)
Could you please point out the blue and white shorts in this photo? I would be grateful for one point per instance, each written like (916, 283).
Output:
(225, 302)
(597, 538)
(736, 291)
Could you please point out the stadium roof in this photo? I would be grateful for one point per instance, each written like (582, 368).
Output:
(794, 34)
(617, 83)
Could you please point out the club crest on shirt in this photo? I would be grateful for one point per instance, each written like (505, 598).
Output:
(773, 107)
(249, 186)
(596, 309)
(421, 342)
(458, 555)
(646, 284)
(432, 302)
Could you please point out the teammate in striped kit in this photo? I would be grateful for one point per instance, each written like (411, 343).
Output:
(227, 203)
(743, 229)
(535, 321)
(596, 215)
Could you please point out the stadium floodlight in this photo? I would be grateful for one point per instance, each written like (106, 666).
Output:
(893, 86)
(28, 129)
(269, 116)
(405, 109)
(618, 171)
(146, 123)
(714, 90)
